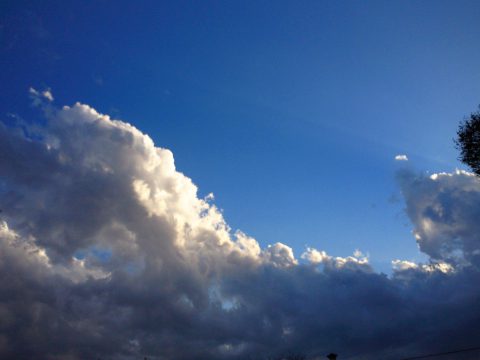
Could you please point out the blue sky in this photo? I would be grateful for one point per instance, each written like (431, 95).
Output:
(290, 113)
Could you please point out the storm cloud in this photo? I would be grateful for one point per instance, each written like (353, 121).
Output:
(106, 251)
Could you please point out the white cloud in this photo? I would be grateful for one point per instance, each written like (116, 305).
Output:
(279, 255)
(315, 256)
(38, 97)
(401, 157)
(403, 265)
(444, 209)
(106, 251)
(358, 261)
(47, 95)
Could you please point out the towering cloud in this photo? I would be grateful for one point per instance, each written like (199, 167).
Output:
(106, 251)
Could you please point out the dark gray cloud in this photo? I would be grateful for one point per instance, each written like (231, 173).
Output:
(107, 251)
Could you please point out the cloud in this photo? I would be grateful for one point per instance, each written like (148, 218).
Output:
(279, 255)
(358, 261)
(106, 251)
(401, 157)
(444, 209)
(39, 96)
(403, 265)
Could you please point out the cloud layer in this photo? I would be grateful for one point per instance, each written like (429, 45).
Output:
(107, 251)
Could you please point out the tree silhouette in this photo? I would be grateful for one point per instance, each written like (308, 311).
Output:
(468, 142)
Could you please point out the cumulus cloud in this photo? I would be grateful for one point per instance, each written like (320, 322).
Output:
(106, 251)
(358, 261)
(279, 255)
(403, 265)
(444, 209)
(401, 157)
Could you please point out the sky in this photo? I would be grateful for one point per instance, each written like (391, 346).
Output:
(340, 215)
